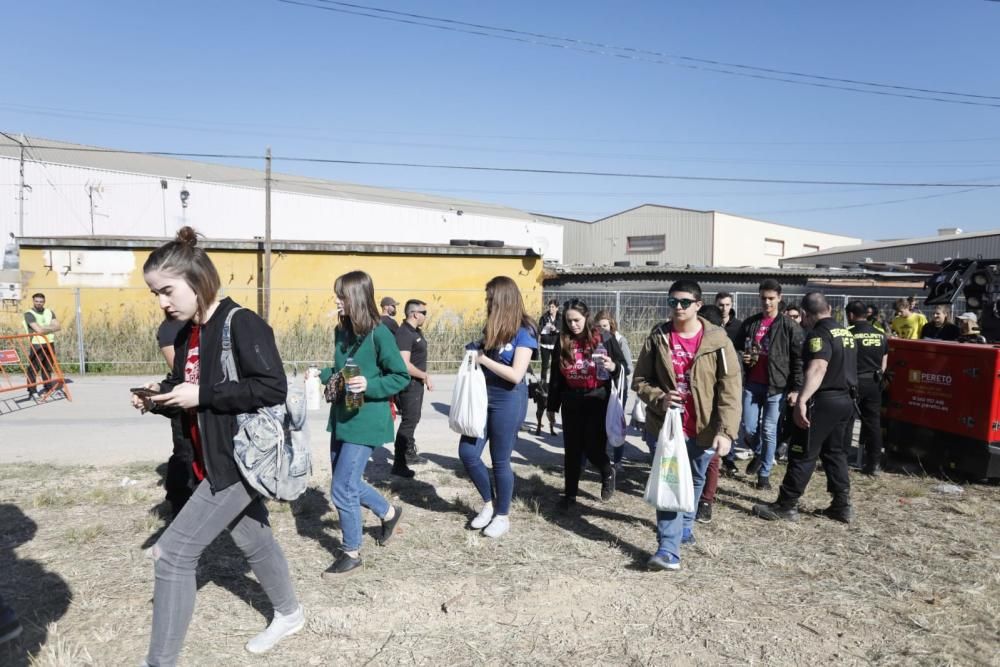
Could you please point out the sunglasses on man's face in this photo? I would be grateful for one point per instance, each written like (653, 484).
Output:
(683, 303)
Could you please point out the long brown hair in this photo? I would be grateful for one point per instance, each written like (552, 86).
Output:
(505, 313)
(357, 292)
(183, 258)
(589, 335)
(606, 315)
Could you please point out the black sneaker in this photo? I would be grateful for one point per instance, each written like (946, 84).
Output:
(729, 469)
(343, 565)
(841, 513)
(608, 486)
(871, 471)
(776, 512)
(390, 525)
(704, 512)
(763, 483)
(400, 469)
(755, 465)
(414, 459)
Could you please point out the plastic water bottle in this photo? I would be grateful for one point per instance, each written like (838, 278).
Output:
(353, 399)
(600, 352)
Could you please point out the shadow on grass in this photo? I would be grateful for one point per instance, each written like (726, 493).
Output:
(38, 596)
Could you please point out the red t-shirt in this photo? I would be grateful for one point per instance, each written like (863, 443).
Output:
(758, 372)
(582, 374)
(192, 374)
(682, 353)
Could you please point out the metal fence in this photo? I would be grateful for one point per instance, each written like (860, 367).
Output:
(112, 330)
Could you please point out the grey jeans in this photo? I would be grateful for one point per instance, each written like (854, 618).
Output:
(176, 555)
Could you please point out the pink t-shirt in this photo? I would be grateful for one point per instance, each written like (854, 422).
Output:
(758, 372)
(682, 353)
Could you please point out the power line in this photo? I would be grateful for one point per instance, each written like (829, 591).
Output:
(629, 53)
(866, 204)
(571, 40)
(225, 128)
(527, 170)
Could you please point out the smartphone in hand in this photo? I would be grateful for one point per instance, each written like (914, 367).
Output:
(144, 392)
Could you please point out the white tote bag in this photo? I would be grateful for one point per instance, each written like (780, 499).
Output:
(468, 399)
(670, 487)
(614, 417)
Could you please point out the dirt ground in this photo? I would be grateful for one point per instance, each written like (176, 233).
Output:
(916, 580)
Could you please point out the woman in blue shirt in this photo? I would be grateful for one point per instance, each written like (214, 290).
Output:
(510, 339)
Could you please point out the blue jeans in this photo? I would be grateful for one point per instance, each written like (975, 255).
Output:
(670, 526)
(503, 419)
(350, 492)
(761, 416)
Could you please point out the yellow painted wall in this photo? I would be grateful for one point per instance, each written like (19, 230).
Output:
(302, 284)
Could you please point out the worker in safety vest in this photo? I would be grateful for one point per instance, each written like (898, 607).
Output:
(41, 321)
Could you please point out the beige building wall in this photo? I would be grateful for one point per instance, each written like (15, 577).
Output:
(743, 241)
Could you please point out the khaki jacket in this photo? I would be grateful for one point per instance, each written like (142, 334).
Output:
(716, 383)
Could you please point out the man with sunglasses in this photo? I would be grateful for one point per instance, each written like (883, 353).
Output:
(690, 363)
(413, 348)
(772, 357)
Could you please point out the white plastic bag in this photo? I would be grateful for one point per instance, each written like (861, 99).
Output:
(468, 399)
(670, 487)
(614, 417)
(638, 413)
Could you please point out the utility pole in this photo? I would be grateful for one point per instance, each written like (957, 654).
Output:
(267, 236)
(20, 197)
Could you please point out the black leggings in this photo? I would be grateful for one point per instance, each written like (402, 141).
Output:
(584, 434)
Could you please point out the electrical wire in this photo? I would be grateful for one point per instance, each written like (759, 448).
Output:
(658, 54)
(889, 90)
(527, 170)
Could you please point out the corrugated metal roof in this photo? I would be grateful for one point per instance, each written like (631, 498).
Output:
(60, 152)
(579, 270)
(862, 247)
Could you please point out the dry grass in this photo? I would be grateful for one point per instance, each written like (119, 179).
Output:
(916, 580)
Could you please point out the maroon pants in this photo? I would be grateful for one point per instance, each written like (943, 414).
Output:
(711, 481)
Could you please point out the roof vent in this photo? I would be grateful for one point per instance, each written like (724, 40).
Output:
(949, 231)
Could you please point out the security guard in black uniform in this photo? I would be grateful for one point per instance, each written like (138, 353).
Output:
(822, 412)
(873, 351)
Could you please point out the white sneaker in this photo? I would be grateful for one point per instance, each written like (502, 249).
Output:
(498, 526)
(483, 518)
(282, 626)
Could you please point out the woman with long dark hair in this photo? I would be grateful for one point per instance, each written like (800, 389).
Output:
(510, 339)
(581, 384)
(365, 355)
(185, 281)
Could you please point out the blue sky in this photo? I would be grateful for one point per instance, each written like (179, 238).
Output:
(235, 76)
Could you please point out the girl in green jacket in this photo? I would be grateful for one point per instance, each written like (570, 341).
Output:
(356, 431)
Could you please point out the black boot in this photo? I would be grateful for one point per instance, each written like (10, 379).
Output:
(776, 511)
(412, 458)
(839, 510)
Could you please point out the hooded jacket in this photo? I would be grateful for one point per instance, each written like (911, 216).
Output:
(716, 382)
(784, 355)
(262, 383)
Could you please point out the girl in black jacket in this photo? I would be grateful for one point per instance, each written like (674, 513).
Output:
(187, 285)
(576, 385)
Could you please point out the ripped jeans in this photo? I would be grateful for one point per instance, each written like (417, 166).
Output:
(176, 556)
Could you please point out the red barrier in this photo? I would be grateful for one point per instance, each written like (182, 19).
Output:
(20, 361)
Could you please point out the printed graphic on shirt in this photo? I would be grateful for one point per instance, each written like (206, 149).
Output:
(682, 360)
(192, 368)
(815, 344)
(583, 368)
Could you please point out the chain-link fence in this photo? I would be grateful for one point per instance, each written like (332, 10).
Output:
(112, 330)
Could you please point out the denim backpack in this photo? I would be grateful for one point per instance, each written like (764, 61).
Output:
(271, 446)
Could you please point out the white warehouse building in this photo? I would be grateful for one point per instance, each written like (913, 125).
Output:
(652, 234)
(73, 190)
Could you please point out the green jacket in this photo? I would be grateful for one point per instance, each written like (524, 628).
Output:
(380, 362)
(716, 383)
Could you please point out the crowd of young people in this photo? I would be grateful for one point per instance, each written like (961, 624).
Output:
(732, 381)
